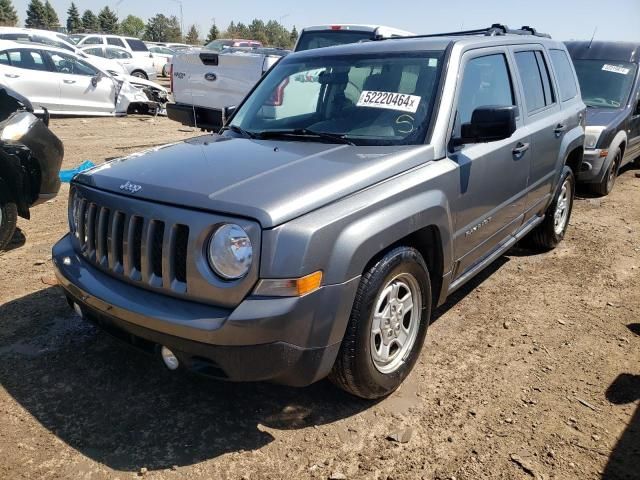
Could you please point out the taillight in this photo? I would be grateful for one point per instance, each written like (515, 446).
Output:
(336, 27)
(277, 97)
(171, 77)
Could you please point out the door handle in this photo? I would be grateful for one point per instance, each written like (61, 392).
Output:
(559, 129)
(10, 75)
(520, 148)
(69, 82)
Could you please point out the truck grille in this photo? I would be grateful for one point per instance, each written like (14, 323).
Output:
(141, 249)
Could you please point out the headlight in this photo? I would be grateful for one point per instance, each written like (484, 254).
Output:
(17, 127)
(230, 252)
(592, 135)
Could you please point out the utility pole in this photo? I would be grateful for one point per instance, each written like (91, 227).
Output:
(179, 2)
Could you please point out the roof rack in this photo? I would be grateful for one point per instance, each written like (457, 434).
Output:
(494, 30)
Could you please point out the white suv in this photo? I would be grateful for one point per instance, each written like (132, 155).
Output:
(134, 46)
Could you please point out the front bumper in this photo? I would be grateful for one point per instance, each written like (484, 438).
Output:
(594, 165)
(293, 341)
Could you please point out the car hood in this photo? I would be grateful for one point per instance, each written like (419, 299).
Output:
(270, 181)
(605, 117)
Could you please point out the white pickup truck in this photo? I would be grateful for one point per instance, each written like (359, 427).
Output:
(207, 85)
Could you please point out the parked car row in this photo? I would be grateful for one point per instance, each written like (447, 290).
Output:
(64, 83)
(349, 193)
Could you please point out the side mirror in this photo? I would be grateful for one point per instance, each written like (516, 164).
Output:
(46, 116)
(227, 114)
(488, 124)
(96, 79)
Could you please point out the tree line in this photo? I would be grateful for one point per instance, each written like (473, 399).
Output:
(159, 28)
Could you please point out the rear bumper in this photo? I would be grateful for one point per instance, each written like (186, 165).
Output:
(293, 341)
(201, 117)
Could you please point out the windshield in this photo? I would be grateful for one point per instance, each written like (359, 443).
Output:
(605, 84)
(329, 38)
(381, 99)
(218, 45)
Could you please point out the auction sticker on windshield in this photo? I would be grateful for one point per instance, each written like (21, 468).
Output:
(389, 100)
(614, 68)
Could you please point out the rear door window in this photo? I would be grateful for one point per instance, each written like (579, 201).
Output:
(115, 41)
(136, 45)
(93, 41)
(538, 91)
(97, 51)
(117, 54)
(27, 59)
(564, 73)
(4, 58)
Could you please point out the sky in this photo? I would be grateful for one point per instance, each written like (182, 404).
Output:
(563, 19)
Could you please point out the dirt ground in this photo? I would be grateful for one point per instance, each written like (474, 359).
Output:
(530, 371)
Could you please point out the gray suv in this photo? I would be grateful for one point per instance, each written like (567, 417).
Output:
(352, 191)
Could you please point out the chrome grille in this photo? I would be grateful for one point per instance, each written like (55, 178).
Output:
(144, 250)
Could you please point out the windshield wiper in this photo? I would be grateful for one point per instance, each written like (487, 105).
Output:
(305, 132)
(239, 131)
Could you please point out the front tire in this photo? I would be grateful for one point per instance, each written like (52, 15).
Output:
(551, 231)
(605, 187)
(387, 326)
(8, 219)
(140, 74)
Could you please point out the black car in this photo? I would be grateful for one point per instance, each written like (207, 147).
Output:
(609, 79)
(30, 160)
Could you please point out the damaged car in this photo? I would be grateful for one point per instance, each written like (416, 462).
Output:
(63, 83)
(30, 160)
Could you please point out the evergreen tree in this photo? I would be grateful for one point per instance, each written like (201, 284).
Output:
(163, 29)
(90, 22)
(231, 30)
(132, 26)
(8, 15)
(193, 37)
(36, 15)
(214, 33)
(52, 21)
(74, 23)
(108, 20)
(293, 37)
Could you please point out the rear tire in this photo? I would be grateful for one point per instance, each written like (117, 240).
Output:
(8, 219)
(387, 326)
(605, 187)
(551, 231)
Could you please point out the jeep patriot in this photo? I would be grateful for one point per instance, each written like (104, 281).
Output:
(315, 235)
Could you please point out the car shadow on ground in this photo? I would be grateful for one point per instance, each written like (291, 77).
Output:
(18, 240)
(121, 408)
(624, 460)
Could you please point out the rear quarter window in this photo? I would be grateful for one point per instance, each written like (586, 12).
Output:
(564, 72)
(115, 41)
(137, 45)
(92, 41)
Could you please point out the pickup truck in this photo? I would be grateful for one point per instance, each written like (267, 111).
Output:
(206, 85)
(314, 239)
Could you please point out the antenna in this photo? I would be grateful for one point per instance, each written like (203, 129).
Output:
(593, 36)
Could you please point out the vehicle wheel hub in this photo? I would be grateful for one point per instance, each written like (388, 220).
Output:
(396, 322)
(563, 204)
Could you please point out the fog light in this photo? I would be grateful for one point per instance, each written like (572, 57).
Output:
(169, 358)
(77, 309)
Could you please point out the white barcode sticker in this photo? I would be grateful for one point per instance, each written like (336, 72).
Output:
(614, 68)
(389, 100)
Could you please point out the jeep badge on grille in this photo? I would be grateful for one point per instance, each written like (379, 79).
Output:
(130, 187)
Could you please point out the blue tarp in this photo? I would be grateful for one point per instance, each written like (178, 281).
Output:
(67, 175)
